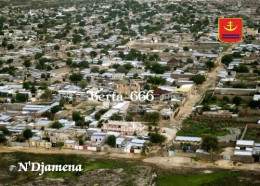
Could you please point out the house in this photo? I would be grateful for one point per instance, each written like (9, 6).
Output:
(124, 127)
(69, 144)
(43, 124)
(162, 94)
(98, 139)
(36, 141)
(173, 62)
(188, 139)
(125, 89)
(244, 147)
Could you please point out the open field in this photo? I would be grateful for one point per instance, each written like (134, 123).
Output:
(205, 127)
(115, 172)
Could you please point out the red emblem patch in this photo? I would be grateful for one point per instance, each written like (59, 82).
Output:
(230, 30)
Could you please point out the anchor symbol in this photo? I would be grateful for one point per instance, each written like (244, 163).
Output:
(230, 25)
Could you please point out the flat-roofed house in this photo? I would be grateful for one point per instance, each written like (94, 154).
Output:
(124, 127)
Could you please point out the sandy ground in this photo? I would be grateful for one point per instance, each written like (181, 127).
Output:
(186, 162)
(165, 162)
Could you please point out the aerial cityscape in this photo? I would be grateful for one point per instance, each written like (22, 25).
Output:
(130, 92)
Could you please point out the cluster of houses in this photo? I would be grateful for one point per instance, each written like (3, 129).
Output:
(58, 61)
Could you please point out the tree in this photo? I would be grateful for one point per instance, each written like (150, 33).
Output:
(198, 79)
(97, 116)
(47, 95)
(56, 47)
(55, 109)
(189, 60)
(27, 133)
(155, 137)
(185, 48)
(60, 144)
(4, 130)
(10, 46)
(81, 141)
(210, 64)
(241, 68)
(237, 55)
(27, 63)
(226, 59)
(129, 118)
(56, 125)
(93, 54)
(115, 117)
(76, 116)
(76, 38)
(236, 100)
(2, 138)
(80, 123)
(83, 84)
(111, 141)
(76, 77)
(20, 98)
(210, 142)
(62, 102)
(94, 70)
(152, 117)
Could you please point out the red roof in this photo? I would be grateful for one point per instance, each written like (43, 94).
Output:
(173, 61)
(160, 91)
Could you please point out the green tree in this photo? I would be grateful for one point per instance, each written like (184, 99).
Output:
(27, 133)
(60, 144)
(56, 47)
(185, 48)
(4, 130)
(10, 47)
(83, 84)
(76, 116)
(76, 77)
(115, 117)
(97, 116)
(210, 64)
(155, 137)
(2, 138)
(27, 63)
(198, 79)
(111, 141)
(210, 142)
(241, 68)
(55, 109)
(56, 125)
(226, 59)
(129, 117)
(46, 95)
(93, 54)
(20, 98)
(153, 117)
(237, 100)
(189, 60)
(94, 70)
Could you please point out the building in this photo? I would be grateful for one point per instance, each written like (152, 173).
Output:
(125, 89)
(124, 127)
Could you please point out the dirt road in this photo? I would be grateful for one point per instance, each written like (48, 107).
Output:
(199, 91)
(164, 162)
